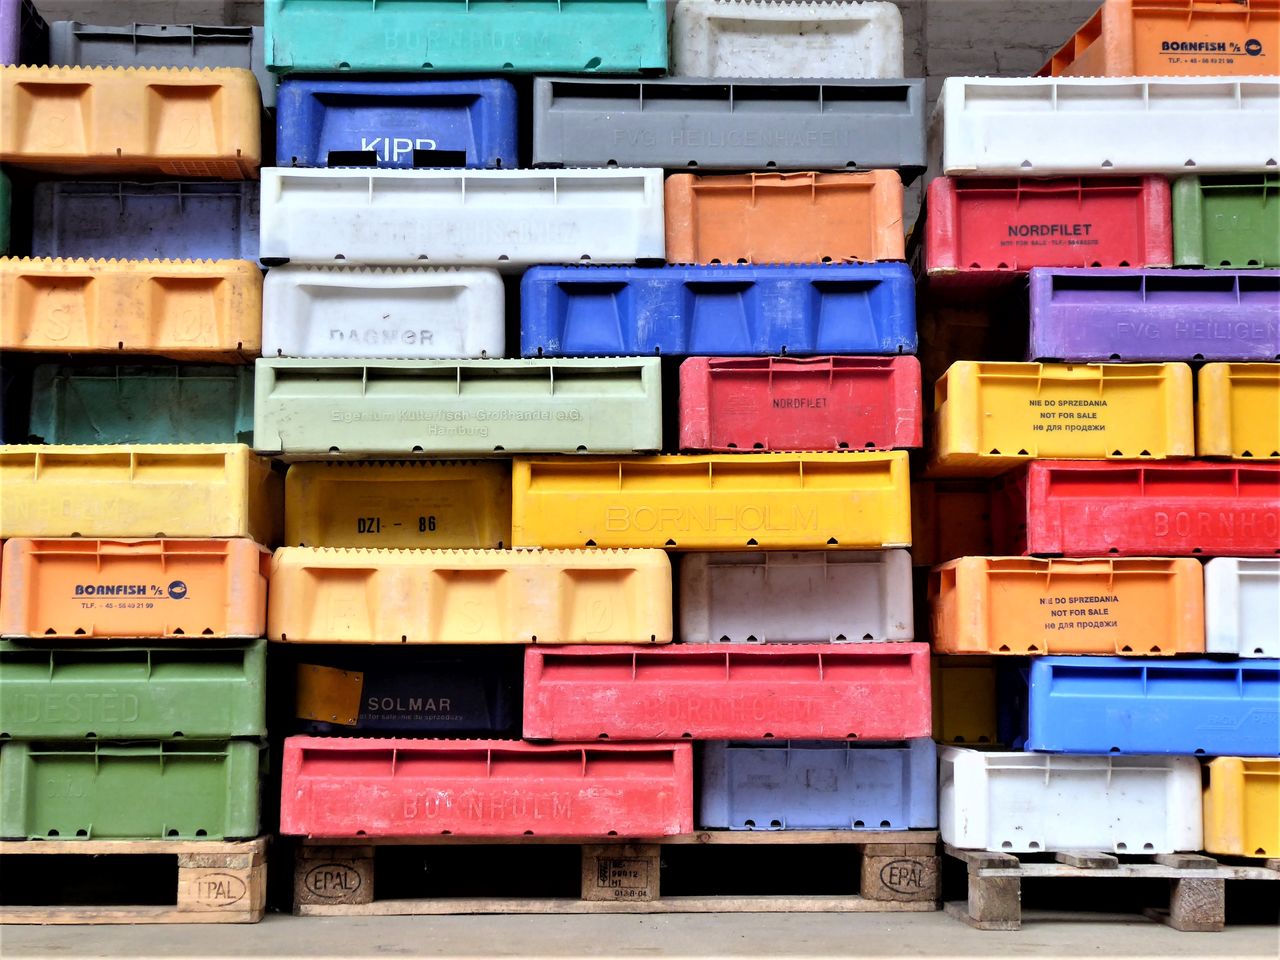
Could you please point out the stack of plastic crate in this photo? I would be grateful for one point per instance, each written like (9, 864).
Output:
(1142, 659)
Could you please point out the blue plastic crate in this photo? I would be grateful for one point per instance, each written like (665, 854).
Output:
(1115, 705)
(398, 124)
(818, 785)
(863, 308)
(173, 220)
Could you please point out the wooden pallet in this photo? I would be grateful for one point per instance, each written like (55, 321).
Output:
(893, 871)
(1197, 884)
(202, 881)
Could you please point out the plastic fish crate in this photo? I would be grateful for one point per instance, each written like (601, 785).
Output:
(964, 699)
(978, 226)
(784, 217)
(385, 691)
(396, 124)
(1238, 410)
(1227, 221)
(990, 417)
(787, 403)
(950, 519)
(512, 218)
(132, 693)
(76, 44)
(184, 309)
(1148, 38)
(469, 596)
(868, 691)
(139, 490)
(812, 785)
(1112, 705)
(467, 36)
(1241, 598)
(85, 120)
(1032, 803)
(6, 201)
(1080, 126)
(765, 501)
(775, 597)
(1154, 315)
(1024, 605)
(167, 790)
(750, 38)
(95, 590)
(1242, 807)
(1155, 509)
(400, 314)
(858, 308)
(142, 404)
(730, 124)
(437, 504)
(400, 408)
(24, 35)
(173, 220)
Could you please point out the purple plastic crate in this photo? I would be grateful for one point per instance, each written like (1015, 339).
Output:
(1081, 314)
(24, 36)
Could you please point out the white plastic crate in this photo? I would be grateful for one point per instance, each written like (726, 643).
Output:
(504, 218)
(1242, 606)
(399, 314)
(767, 39)
(1050, 126)
(1037, 802)
(777, 597)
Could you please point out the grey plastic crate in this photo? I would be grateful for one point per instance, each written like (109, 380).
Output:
(76, 44)
(730, 125)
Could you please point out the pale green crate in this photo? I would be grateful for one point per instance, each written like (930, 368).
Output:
(309, 409)
(467, 36)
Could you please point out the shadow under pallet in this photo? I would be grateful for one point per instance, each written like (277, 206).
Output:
(704, 872)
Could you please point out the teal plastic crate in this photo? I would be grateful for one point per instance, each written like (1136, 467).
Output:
(171, 790)
(162, 403)
(132, 693)
(467, 36)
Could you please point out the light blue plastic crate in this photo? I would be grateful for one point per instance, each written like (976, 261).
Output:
(1105, 705)
(818, 785)
(754, 311)
(467, 36)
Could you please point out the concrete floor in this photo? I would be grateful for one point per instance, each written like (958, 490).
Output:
(707, 935)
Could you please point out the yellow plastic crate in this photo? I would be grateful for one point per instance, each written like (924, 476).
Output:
(139, 490)
(1238, 413)
(445, 504)
(771, 501)
(964, 699)
(993, 416)
(1242, 807)
(186, 309)
(469, 596)
(120, 120)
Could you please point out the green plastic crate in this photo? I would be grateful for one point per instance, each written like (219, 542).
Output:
(6, 200)
(164, 403)
(1230, 221)
(176, 789)
(132, 693)
(467, 36)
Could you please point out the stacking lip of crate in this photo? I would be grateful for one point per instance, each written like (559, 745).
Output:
(136, 525)
(1127, 541)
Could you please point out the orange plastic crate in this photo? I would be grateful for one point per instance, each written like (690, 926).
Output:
(115, 120)
(784, 217)
(125, 589)
(185, 309)
(1174, 38)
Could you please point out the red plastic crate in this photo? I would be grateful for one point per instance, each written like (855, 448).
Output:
(872, 691)
(789, 403)
(1193, 508)
(349, 787)
(984, 225)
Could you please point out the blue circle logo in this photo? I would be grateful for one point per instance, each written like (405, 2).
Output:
(1253, 47)
(178, 590)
